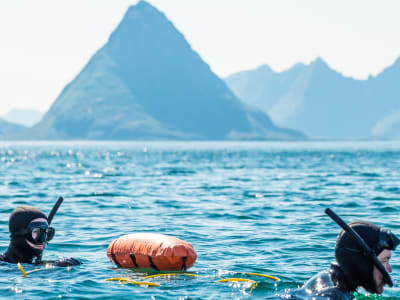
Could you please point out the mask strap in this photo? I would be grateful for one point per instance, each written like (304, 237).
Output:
(361, 243)
(19, 233)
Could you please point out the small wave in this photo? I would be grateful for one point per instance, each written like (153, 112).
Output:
(259, 194)
(393, 189)
(178, 171)
(338, 184)
(381, 198)
(216, 187)
(13, 183)
(250, 217)
(239, 179)
(350, 204)
(13, 196)
(388, 209)
(97, 194)
(369, 174)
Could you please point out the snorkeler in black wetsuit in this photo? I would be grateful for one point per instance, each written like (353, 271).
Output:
(355, 266)
(29, 234)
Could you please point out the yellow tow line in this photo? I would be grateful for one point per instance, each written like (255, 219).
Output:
(127, 280)
(169, 274)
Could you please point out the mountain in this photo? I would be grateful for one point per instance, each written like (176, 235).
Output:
(26, 117)
(321, 102)
(262, 86)
(8, 129)
(146, 82)
(385, 89)
(388, 127)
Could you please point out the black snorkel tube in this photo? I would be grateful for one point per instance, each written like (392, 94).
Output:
(54, 209)
(363, 245)
(49, 219)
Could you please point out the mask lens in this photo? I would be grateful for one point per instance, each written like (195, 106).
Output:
(41, 232)
(36, 233)
(50, 234)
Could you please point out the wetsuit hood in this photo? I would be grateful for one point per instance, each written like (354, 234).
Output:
(19, 250)
(356, 265)
(340, 280)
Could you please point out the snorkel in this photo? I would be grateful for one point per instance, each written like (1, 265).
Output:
(54, 209)
(49, 219)
(387, 240)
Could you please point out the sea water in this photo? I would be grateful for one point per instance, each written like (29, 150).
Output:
(244, 206)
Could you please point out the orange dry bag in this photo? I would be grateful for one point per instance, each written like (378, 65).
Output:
(151, 251)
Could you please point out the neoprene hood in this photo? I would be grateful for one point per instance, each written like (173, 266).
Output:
(356, 264)
(19, 250)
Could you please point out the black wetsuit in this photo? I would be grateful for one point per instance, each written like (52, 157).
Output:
(6, 257)
(65, 262)
(330, 284)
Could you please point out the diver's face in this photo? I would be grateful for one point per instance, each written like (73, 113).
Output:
(384, 258)
(40, 246)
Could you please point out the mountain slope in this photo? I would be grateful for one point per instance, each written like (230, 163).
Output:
(8, 129)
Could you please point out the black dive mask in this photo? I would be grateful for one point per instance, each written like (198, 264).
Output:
(387, 240)
(37, 232)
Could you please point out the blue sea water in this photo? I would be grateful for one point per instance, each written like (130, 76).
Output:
(244, 206)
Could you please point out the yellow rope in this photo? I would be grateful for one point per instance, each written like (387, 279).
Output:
(235, 280)
(127, 280)
(263, 275)
(253, 283)
(168, 274)
(22, 270)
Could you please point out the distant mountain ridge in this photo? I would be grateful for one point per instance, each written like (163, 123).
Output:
(147, 83)
(323, 103)
(26, 117)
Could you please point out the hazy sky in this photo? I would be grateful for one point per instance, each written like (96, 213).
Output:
(45, 43)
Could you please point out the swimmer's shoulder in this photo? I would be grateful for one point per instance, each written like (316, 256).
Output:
(4, 258)
(334, 293)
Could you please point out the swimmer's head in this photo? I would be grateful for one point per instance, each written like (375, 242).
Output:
(358, 266)
(29, 232)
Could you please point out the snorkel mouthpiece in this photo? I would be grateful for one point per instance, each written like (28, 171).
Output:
(387, 240)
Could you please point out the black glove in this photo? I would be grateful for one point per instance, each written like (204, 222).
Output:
(67, 262)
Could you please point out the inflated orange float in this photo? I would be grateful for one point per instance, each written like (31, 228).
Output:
(151, 251)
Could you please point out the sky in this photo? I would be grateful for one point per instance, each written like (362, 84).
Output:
(44, 44)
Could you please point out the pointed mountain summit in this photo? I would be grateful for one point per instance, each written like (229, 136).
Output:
(146, 82)
(319, 63)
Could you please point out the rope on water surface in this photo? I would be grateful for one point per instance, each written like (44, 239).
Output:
(127, 280)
